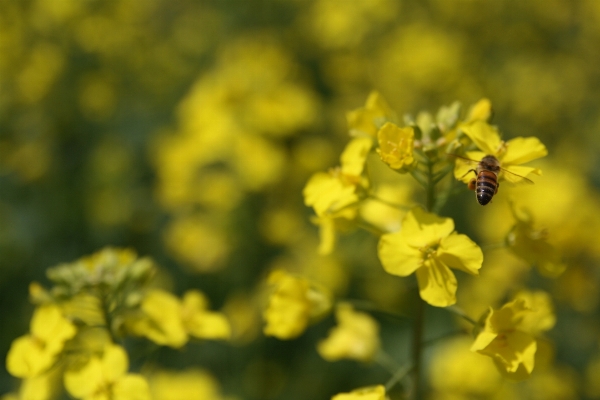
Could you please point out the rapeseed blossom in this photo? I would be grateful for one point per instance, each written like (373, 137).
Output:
(396, 146)
(511, 154)
(105, 378)
(367, 393)
(531, 243)
(166, 320)
(293, 303)
(368, 119)
(428, 246)
(335, 195)
(187, 384)
(508, 334)
(355, 337)
(32, 354)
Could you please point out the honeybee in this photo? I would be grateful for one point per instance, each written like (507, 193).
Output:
(486, 183)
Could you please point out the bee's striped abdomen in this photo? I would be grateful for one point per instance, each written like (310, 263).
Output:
(486, 187)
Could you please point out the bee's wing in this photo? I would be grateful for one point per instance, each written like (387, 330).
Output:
(464, 158)
(518, 173)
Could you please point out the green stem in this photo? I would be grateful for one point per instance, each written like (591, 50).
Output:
(430, 187)
(461, 313)
(417, 347)
(104, 297)
(419, 327)
(398, 376)
(386, 361)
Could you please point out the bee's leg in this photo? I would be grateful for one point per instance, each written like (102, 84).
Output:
(475, 172)
(472, 184)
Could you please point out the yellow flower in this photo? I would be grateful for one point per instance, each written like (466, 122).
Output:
(456, 371)
(512, 350)
(356, 336)
(367, 393)
(542, 317)
(161, 321)
(531, 244)
(480, 111)
(428, 246)
(106, 378)
(368, 119)
(292, 304)
(396, 145)
(335, 195)
(199, 321)
(186, 384)
(510, 154)
(46, 386)
(331, 192)
(32, 354)
(507, 334)
(168, 321)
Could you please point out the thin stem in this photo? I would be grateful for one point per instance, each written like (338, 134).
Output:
(430, 187)
(419, 176)
(105, 301)
(461, 313)
(386, 361)
(418, 346)
(398, 376)
(420, 304)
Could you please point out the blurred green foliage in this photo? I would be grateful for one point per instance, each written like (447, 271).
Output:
(186, 130)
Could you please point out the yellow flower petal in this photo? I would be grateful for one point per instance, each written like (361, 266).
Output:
(162, 319)
(114, 363)
(462, 166)
(327, 235)
(501, 338)
(524, 346)
(480, 111)
(485, 136)
(209, 325)
(397, 256)
(50, 326)
(437, 284)
(32, 354)
(27, 358)
(509, 317)
(521, 150)
(288, 311)
(518, 172)
(83, 382)
(368, 393)
(542, 316)
(354, 156)
(368, 119)
(483, 340)
(459, 252)
(328, 194)
(421, 228)
(131, 387)
(46, 386)
(355, 337)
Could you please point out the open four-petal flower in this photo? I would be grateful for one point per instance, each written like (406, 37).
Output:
(428, 246)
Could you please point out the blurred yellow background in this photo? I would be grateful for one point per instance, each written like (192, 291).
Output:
(186, 130)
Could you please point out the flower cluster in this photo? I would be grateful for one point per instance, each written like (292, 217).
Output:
(422, 242)
(79, 326)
